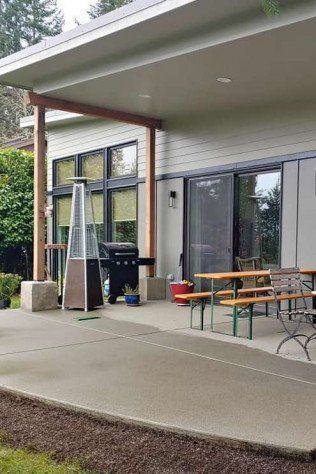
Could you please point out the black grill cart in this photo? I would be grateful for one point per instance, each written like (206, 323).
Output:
(120, 262)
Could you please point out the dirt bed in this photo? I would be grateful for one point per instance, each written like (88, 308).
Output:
(113, 446)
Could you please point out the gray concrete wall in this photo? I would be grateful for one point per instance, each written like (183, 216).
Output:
(289, 214)
(169, 227)
(306, 236)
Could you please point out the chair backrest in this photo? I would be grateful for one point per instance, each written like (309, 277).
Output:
(285, 281)
(252, 263)
(246, 264)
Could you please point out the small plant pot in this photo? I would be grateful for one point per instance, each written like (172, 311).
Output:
(132, 300)
(4, 304)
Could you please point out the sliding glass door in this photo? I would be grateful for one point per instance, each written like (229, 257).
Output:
(230, 216)
(258, 199)
(210, 211)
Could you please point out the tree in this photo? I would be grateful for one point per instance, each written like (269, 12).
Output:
(22, 23)
(269, 215)
(105, 6)
(271, 7)
(16, 211)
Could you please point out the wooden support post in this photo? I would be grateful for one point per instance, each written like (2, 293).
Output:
(39, 194)
(150, 197)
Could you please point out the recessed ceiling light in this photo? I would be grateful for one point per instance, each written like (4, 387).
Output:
(144, 96)
(224, 80)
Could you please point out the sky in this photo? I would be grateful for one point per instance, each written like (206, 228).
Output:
(74, 9)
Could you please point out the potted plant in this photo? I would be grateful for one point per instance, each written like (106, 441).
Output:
(180, 288)
(9, 283)
(131, 295)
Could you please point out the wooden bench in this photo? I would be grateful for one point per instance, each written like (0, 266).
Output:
(200, 299)
(251, 301)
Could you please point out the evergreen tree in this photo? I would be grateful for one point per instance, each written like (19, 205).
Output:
(22, 23)
(105, 6)
(271, 7)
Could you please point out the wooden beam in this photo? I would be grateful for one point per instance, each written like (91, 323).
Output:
(93, 111)
(150, 198)
(39, 194)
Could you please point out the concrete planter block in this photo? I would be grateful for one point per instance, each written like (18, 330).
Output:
(152, 288)
(39, 295)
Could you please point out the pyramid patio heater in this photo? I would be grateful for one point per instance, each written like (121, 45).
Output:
(82, 283)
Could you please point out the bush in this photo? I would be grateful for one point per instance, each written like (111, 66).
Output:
(16, 211)
(9, 284)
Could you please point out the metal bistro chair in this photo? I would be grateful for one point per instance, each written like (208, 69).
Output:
(284, 282)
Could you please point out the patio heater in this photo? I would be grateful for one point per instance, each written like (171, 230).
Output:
(82, 283)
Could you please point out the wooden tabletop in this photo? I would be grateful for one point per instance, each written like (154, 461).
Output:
(246, 274)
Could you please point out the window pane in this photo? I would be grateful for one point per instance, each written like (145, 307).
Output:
(92, 166)
(64, 169)
(259, 217)
(123, 161)
(63, 209)
(124, 215)
(97, 202)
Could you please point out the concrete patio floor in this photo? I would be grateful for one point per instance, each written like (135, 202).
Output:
(146, 364)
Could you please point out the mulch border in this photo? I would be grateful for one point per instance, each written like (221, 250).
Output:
(236, 446)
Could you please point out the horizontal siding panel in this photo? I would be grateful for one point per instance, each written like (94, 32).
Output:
(191, 145)
(197, 154)
(82, 143)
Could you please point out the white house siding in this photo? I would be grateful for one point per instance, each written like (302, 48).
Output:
(208, 142)
(88, 136)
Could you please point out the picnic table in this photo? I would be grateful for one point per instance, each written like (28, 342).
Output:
(233, 278)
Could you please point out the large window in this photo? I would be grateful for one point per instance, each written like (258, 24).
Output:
(92, 165)
(113, 171)
(123, 215)
(63, 170)
(63, 210)
(97, 203)
(258, 216)
(123, 161)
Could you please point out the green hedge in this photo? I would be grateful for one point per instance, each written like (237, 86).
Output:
(16, 211)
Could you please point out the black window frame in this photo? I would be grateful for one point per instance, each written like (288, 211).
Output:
(81, 157)
(109, 161)
(104, 185)
(58, 160)
(235, 173)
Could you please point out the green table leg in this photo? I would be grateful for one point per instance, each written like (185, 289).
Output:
(212, 304)
(250, 310)
(235, 309)
(191, 314)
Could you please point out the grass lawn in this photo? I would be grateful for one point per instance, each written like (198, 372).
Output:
(21, 461)
(15, 302)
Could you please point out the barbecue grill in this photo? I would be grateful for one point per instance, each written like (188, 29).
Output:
(120, 261)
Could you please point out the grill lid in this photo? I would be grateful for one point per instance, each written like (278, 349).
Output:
(118, 250)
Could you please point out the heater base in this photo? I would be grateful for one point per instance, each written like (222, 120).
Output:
(83, 281)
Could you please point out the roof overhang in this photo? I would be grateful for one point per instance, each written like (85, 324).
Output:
(162, 58)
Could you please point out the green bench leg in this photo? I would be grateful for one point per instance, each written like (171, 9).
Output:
(194, 304)
(191, 313)
(267, 309)
(201, 315)
(235, 310)
(250, 321)
(212, 305)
